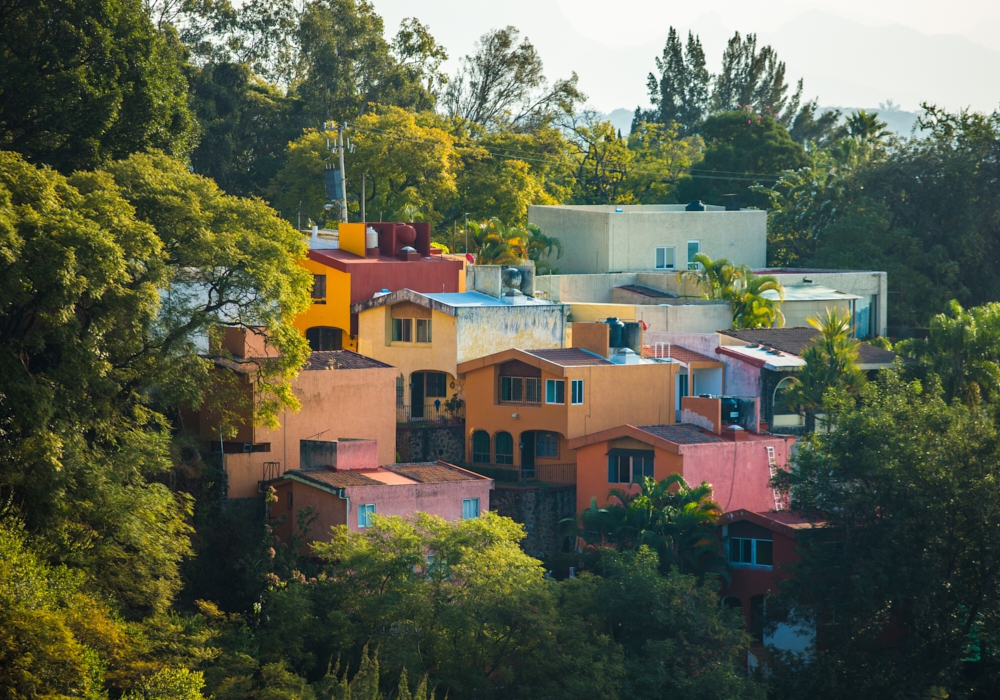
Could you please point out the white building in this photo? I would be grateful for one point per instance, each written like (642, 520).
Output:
(640, 238)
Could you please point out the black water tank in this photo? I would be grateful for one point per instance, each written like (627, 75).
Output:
(616, 332)
(730, 410)
(695, 205)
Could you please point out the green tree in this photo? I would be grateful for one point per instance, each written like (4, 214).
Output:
(498, 244)
(754, 79)
(603, 162)
(540, 249)
(347, 63)
(741, 147)
(502, 85)
(246, 125)
(900, 579)
(660, 157)
(84, 83)
(831, 366)
(962, 350)
(680, 95)
(721, 280)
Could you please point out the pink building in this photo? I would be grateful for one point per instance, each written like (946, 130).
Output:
(343, 484)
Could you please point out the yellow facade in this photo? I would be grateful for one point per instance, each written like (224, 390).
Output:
(336, 311)
(352, 238)
(439, 355)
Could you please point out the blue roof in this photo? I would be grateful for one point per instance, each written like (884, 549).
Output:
(466, 299)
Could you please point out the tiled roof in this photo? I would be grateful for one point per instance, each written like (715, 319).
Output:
(569, 357)
(340, 359)
(647, 291)
(678, 353)
(431, 472)
(682, 433)
(338, 480)
(796, 339)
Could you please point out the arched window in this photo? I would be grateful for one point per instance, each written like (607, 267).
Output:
(503, 447)
(480, 447)
(782, 415)
(731, 601)
(324, 338)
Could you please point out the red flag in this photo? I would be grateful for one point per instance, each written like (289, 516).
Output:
(468, 256)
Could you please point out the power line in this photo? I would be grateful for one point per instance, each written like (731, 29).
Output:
(699, 173)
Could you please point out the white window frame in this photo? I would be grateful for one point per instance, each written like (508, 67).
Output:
(555, 393)
(673, 257)
(689, 256)
(576, 392)
(470, 502)
(753, 553)
(365, 513)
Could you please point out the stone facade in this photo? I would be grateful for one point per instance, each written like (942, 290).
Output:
(539, 509)
(431, 442)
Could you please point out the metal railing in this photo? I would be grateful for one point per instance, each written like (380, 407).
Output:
(520, 391)
(430, 412)
(540, 473)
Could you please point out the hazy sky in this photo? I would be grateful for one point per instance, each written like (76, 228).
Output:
(850, 52)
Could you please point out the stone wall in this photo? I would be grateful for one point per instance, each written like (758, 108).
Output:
(539, 509)
(427, 443)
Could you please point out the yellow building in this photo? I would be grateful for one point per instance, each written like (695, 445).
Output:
(368, 259)
(428, 335)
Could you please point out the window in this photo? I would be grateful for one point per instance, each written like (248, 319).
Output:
(399, 390)
(694, 247)
(319, 289)
(470, 508)
(402, 330)
(480, 447)
(423, 330)
(503, 448)
(322, 338)
(665, 258)
(435, 384)
(520, 390)
(289, 499)
(749, 552)
(629, 466)
(576, 387)
(546, 444)
(555, 391)
(365, 513)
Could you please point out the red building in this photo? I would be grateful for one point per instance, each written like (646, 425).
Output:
(760, 547)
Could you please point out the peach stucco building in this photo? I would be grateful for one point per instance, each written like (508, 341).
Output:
(340, 393)
(341, 483)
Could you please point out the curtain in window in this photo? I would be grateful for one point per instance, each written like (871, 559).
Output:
(481, 447)
(503, 447)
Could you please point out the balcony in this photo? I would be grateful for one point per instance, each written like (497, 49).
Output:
(508, 474)
(436, 411)
(520, 391)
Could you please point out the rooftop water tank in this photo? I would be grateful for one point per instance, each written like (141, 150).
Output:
(695, 205)
(371, 238)
(616, 332)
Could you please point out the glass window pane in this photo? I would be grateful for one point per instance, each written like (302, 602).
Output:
(397, 330)
(765, 549)
(668, 258)
(319, 287)
(503, 446)
(693, 249)
(661, 258)
(505, 391)
(481, 447)
(734, 550)
(747, 555)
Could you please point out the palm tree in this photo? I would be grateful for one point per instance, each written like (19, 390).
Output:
(831, 366)
(867, 129)
(722, 280)
(500, 244)
(540, 249)
(751, 309)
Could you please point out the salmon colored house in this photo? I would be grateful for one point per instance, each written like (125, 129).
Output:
(525, 407)
(341, 482)
(338, 390)
(737, 463)
(369, 258)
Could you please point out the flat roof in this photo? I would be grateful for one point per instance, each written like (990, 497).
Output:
(809, 292)
(340, 259)
(570, 357)
(767, 358)
(638, 208)
(796, 339)
(474, 298)
(445, 302)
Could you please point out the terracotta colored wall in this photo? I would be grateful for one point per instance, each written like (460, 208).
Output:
(594, 337)
(706, 413)
(613, 395)
(330, 509)
(592, 473)
(748, 582)
(444, 499)
(427, 276)
(336, 312)
(349, 403)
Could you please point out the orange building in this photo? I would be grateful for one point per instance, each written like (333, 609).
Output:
(523, 407)
(365, 260)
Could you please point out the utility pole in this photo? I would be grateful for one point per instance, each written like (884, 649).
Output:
(363, 195)
(466, 233)
(343, 173)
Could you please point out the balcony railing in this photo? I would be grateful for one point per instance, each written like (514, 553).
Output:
(540, 473)
(520, 391)
(430, 412)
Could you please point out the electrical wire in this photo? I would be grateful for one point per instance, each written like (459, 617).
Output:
(699, 173)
